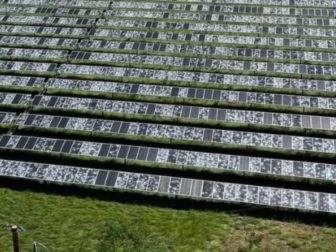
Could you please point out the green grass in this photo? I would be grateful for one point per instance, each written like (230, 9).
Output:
(65, 223)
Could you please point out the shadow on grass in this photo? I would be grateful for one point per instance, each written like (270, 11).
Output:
(280, 214)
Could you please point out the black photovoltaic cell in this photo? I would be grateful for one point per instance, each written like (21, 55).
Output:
(67, 146)
(104, 150)
(4, 140)
(22, 142)
(58, 145)
(101, 177)
(31, 142)
(111, 178)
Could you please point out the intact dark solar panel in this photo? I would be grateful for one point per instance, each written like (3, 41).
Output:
(199, 93)
(221, 114)
(111, 178)
(31, 142)
(152, 154)
(4, 140)
(52, 67)
(142, 155)
(52, 102)
(191, 93)
(149, 35)
(40, 29)
(104, 150)
(87, 55)
(216, 95)
(55, 121)
(208, 94)
(244, 163)
(150, 109)
(67, 146)
(201, 37)
(122, 45)
(36, 100)
(242, 96)
(58, 145)
(188, 37)
(142, 46)
(325, 56)
(135, 46)
(115, 127)
(162, 48)
(185, 111)
(174, 92)
(73, 55)
(134, 88)
(194, 112)
(208, 135)
(123, 151)
(133, 152)
(101, 177)
(58, 30)
(80, 55)
(29, 119)
(267, 118)
(156, 47)
(154, 24)
(299, 31)
(124, 128)
(31, 82)
(186, 61)
(92, 32)
(63, 122)
(93, 104)
(41, 41)
(175, 35)
(213, 114)
(56, 20)
(60, 41)
(270, 66)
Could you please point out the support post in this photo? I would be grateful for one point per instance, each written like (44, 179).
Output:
(15, 236)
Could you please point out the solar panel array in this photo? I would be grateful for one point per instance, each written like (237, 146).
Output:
(243, 87)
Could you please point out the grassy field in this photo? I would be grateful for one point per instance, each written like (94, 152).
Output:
(64, 223)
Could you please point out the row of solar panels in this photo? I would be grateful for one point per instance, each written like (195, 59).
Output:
(164, 14)
(182, 133)
(180, 111)
(167, 75)
(191, 26)
(236, 18)
(173, 36)
(193, 112)
(217, 7)
(209, 51)
(193, 188)
(199, 8)
(175, 157)
(169, 61)
(303, 3)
